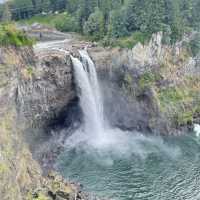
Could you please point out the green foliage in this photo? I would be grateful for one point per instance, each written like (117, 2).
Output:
(65, 22)
(171, 96)
(22, 8)
(127, 42)
(9, 35)
(195, 20)
(46, 20)
(117, 24)
(180, 103)
(144, 16)
(38, 196)
(30, 70)
(3, 168)
(114, 18)
(148, 79)
(6, 14)
(184, 118)
(62, 21)
(195, 45)
(94, 26)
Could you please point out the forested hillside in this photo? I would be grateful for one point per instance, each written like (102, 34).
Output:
(113, 18)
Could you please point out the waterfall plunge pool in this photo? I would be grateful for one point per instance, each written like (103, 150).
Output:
(131, 166)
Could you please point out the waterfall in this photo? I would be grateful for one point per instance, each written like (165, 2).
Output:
(92, 75)
(89, 93)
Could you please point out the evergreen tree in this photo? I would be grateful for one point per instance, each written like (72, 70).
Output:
(94, 26)
(173, 18)
(23, 8)
(120, 17)
(186, 11)
(155, 16)
(196, 15)
(6, 14)
(85, 8)
(117, 25)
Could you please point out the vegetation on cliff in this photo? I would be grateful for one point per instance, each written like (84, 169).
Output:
(9, 35)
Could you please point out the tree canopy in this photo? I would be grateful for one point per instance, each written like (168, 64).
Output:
(116, 18)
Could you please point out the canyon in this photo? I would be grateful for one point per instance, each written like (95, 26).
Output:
(152, 88)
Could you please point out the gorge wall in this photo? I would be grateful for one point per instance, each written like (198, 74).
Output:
(151, 88)
(33, 94)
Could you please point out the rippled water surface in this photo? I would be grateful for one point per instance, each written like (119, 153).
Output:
(125, 166)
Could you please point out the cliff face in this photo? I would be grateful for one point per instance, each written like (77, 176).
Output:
(153, 87)
(15, 170)
(46, 88)
(33, 91)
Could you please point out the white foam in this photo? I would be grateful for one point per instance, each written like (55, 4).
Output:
(197, 129)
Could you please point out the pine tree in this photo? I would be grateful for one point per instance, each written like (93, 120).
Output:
(94, 26)
(117, 25)
(174, 19)
(196, 15)
(6, 16)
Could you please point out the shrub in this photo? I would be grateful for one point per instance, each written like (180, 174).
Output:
(9, 35)
(65, 22)
(171, 96)
(127, 42)
(184, 118)
(148, 79)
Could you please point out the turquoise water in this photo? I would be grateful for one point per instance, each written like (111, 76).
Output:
(135, 167)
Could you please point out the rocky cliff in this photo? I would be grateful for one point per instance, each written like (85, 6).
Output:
(152, 88)
(33, 93)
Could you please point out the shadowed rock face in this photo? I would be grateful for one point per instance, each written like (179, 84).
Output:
(48, 90)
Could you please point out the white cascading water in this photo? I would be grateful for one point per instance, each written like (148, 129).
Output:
(89, 93)
(92, 75)
(197, 129)
(95, 131)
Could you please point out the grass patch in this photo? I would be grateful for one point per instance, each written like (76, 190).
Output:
(184, 118)
(3, 168)
(171, 96)
(39, 196)
(10, 36)
(62, 21)
(148, 79)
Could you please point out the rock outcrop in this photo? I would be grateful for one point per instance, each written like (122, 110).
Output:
(151, 88)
